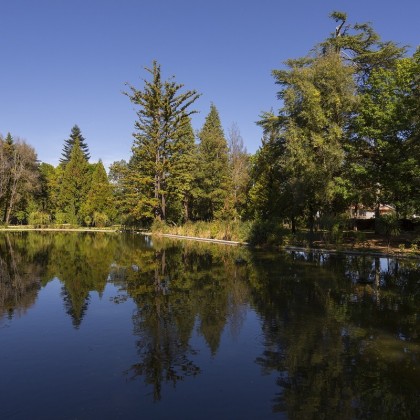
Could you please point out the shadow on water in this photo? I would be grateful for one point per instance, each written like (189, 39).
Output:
(339, 333)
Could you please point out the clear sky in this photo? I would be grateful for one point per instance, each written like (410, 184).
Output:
(65, 62)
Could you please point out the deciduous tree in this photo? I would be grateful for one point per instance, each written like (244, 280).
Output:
(18, 174)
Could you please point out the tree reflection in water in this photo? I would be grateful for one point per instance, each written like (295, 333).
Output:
(30, 259)
(337, 344)
(341, 333)
(177, 289)
(20, 277)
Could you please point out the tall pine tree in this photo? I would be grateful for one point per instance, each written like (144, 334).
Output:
(98, 207)
(75, 134)
(182, 175)
(74, 187)
(162, 116)
(213, 182)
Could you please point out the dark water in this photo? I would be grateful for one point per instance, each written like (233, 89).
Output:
(114, 326)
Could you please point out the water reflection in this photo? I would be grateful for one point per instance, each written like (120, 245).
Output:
(20, 278)
(342, 348)
(340, 333)
(176, 290)
(80, 261)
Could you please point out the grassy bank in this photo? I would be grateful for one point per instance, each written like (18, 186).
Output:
(221, 230)
(57, 228)
(273, 235)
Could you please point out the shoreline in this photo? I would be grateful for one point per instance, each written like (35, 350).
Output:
(195, 238)
(360, 252)
(392, 253)
(23, 229)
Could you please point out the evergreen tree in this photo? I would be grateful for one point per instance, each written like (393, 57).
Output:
(239, 166)
(75, 134)
(118, 173)
(269, 195)
(74, 187)
(46, 199)
(213, 182)
(162, 116)
(183, 171)
(312, 156)
(318, 94)
(98, 207)
(361, 47)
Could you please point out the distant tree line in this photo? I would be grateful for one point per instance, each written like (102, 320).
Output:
(75, 192)
(346, 135)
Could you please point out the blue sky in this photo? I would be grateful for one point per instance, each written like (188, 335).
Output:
(65, 62)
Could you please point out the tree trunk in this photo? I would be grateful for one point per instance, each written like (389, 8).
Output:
(185, 205)
(377, 215)
(356, 208)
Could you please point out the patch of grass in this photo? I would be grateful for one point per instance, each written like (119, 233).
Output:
(223, 230)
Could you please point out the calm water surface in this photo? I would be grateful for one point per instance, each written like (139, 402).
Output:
(111, 326)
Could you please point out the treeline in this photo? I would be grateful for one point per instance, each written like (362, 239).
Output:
(75, 192)
(347, 135)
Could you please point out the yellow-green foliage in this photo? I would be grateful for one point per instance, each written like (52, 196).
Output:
(224, 230)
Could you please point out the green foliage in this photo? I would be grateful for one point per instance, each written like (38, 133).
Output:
(389, 225)
(267, 233)
(386, 144)
(304, 148)
(74, 187)
(228, 230)
(361, 47)
(162, 119)
(50, 179)
(75, 135)
(99, 198)
(239, 169)
(347, 134)
(213, 180)
(39, 218)
(183, 167)
(100, 219)
(19, 178)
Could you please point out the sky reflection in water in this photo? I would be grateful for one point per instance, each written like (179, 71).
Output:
(109, 326)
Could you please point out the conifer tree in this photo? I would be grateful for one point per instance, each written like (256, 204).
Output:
(162, 116)
(75, 134)
(98, 206)
(239, 166)
(74, 186)
(182, 175)
(213, 181)
(47, 197)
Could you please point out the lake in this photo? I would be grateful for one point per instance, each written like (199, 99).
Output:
(106, 326)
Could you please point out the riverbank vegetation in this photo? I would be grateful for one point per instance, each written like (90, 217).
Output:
(346, 138)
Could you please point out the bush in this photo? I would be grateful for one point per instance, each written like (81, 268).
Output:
(100, 219)
(39, 218)
(217, 229)
(388, 225)
(158, 226)
(265, 232)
